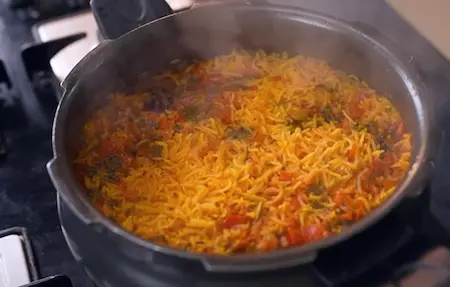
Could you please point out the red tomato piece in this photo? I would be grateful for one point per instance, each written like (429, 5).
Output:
(165, 124)
(260, 138)
(226, 116)
(295, 236)
(107, 148)
(269, 242)
(285, 176)
(233, 220)
(315, 232)
(353, 153)
(347, 216)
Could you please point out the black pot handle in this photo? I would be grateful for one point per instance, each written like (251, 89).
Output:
(118, 17)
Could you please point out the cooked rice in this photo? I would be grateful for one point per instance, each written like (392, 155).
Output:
(257, 152)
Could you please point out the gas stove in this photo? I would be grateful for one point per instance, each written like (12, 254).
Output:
(43, 40)
(54, 29)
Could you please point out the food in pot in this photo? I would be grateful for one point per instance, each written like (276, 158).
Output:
(243, 153)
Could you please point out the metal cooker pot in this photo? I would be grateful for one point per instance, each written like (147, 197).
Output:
(114, 257)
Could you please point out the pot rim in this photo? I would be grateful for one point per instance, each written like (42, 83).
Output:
(71, 189)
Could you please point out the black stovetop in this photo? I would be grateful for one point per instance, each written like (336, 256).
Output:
(28, 199)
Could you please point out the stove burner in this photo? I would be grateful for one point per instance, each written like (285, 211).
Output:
(63, 27)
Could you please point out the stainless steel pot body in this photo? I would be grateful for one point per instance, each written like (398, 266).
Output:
(122, 65)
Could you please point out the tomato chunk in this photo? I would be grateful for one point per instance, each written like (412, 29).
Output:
(347, 216)
(225, 117)
(260, 138)
(315, 232)
(269, 242)
(165, 124)
(400, 130)
(233, 220)
(353, 153)
(108, 148)
(295, 236)
(285, 176)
